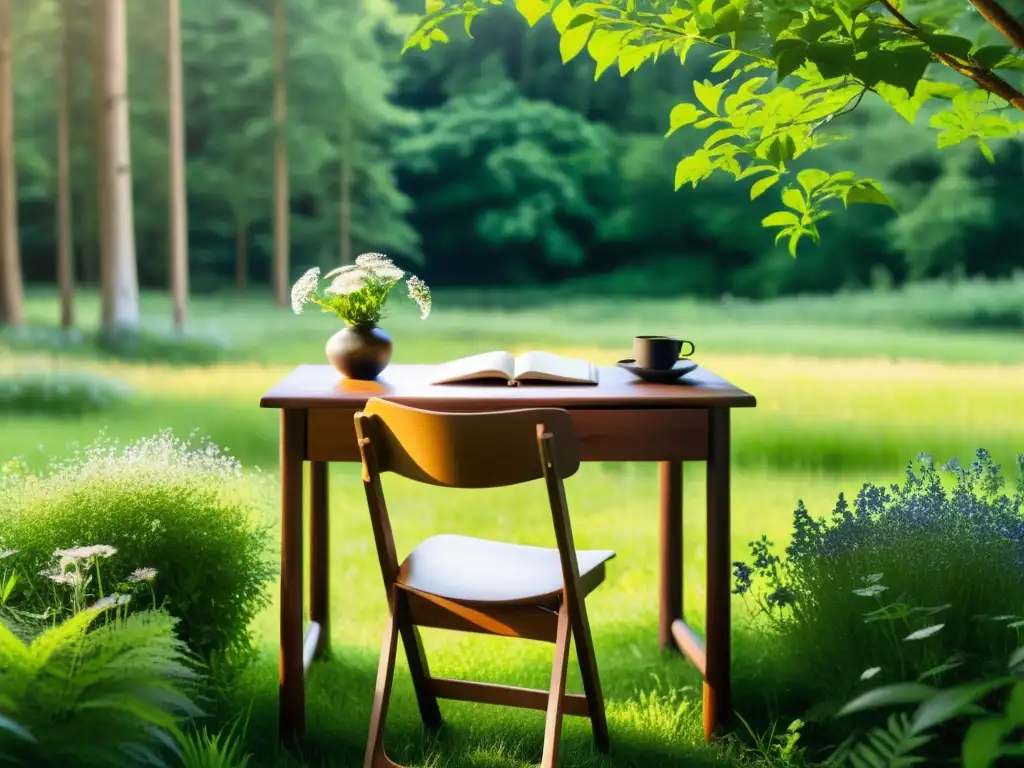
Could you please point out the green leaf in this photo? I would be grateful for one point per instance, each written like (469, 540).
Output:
(902, 67)
(1017, 658)
(562, 14)
(604, 47)
(832, 59)
(866, 191)
(986, 151)
(983, 742)
(682, 115)
(991, 55)
(794, 240)
(812, 178)
(709, 95)
(726, 60)
(6, 724)
(951, 44)
(789, 54)
(573, 41)
(950, 703)
(781, 150)
(721, 135)
(693, 169)
(794, 198)
(533, 10)
(888, 696)
(920, 634)
(763, 185)
(780, 219)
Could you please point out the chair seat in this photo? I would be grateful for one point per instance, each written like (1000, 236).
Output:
(473, 570)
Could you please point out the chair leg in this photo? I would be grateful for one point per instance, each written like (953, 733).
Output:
(375, 756)
(420, 671)
(556, 694)
(591, 681)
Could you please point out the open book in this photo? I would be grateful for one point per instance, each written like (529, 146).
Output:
(529, 366)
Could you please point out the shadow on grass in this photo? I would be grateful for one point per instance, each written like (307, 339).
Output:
(653, 703)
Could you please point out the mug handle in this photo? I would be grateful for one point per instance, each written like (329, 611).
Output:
(682, 346)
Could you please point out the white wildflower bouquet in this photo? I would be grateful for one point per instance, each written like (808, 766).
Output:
(357, 293)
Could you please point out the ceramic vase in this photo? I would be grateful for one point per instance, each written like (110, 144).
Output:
(359, 351)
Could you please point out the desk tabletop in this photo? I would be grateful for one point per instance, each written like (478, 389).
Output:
(320, 386)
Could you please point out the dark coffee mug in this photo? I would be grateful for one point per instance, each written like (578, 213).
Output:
(659, 353)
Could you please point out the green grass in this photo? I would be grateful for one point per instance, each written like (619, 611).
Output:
(838, 405)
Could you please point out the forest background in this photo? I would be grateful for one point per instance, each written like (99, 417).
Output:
(487, 161)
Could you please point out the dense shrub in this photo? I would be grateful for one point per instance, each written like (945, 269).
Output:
(900, 564)
(182, 508)
(137, 345)
(162, 348)
(986, 717)
(67, 393)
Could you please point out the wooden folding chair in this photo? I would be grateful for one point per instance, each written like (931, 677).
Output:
(474, 585)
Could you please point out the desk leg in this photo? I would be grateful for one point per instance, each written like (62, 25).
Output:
(717, 678)
(319, 555)
(292, 686)
(671, 550)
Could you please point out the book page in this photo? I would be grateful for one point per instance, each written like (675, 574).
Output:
(544, 366)
(487, 365)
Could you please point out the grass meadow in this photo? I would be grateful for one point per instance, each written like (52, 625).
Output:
(843, 398)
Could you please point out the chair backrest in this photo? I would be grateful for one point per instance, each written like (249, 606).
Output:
(467, 450)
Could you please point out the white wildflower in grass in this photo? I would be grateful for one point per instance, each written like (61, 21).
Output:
(420, 293)
(59, 575)
(83, 554)
(5, 553)
(304, 289)
(110, 601)
(140, 575)
(357, 293)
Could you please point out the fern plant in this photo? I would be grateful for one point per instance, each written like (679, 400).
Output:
(104, 695)
(992, 733)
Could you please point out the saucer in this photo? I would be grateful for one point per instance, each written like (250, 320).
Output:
(680, 369)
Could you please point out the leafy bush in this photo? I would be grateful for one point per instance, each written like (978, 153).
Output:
(183, 509)
(109, 695)
(69, 393)
(990, 733)
(953, 558)
(138, 346)
(168, 348)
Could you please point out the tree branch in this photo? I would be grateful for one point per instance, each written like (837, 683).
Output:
(1000, 18)
(983, 77)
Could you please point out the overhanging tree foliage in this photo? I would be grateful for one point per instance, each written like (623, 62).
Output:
(786, 73)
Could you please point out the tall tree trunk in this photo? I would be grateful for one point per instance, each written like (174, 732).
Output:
(346, 150)
(118, 270)
(178, 224)
(12, 294)
(281, 193)
(65, 240)
(241, 253)
(99, 69)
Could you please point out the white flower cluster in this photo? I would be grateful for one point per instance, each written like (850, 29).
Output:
(368, 267)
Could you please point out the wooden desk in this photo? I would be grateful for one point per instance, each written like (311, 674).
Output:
(621, 419)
